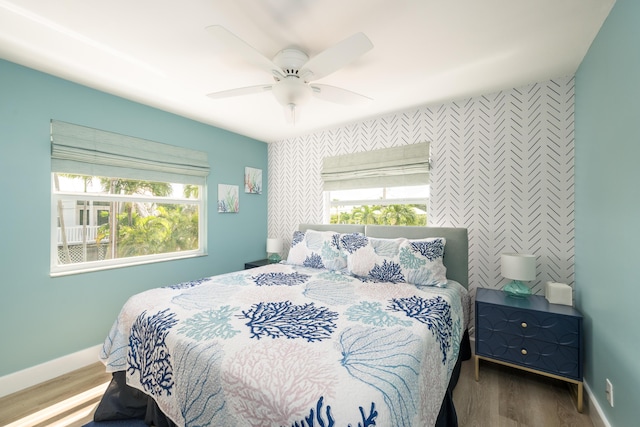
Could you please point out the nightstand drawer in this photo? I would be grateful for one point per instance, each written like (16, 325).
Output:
(549, 327)
(544, 356)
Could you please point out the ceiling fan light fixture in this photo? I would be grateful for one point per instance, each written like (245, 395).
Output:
(293, 71)
(292, 90)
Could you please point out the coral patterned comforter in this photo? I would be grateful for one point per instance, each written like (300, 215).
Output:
(285, 345)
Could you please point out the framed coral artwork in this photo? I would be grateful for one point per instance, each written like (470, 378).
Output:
(252, 180)
(228, 199)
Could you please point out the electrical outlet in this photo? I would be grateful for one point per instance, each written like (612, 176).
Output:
(609, 391)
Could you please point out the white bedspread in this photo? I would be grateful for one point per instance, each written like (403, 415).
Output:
(284, 345)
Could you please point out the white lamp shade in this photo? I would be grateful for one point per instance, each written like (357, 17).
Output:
(518, 266)
(274, 246)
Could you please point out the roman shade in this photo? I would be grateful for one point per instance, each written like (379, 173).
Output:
(386, 167)
(86, 151)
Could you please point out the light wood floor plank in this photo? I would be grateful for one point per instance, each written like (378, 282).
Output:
(46, 395)
(508, 397)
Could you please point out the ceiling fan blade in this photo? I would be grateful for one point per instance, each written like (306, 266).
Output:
(234, 43)
(337, 56)
(339, 95)
(240, 91)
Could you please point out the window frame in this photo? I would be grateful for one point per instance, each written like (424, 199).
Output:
(328, 203)
(57, 269)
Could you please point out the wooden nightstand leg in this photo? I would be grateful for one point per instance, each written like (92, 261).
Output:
(580, 396)
(477, 368)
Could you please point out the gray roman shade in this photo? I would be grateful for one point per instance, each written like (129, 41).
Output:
(386, 167)
(86, 151)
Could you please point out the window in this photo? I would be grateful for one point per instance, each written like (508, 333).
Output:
(388, 206)
(150, 209)
(387, 186)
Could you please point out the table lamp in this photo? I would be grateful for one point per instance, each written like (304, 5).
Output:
(518, 268)
(274, 247)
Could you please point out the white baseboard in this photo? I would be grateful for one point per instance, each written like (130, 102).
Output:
(594, 404)
(48, 370)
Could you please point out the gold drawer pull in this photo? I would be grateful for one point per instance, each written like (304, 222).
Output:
(524, 351)
(523, 324)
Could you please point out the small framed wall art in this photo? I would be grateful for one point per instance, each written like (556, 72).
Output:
(228, 199)
(252, 180)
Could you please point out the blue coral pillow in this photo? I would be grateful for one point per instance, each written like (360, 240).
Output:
(317, 249)
(396, 260)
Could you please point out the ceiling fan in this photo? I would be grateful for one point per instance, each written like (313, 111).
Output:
(293, 71)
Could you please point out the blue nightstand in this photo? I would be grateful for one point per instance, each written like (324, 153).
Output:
(254, 264)
(529, 334)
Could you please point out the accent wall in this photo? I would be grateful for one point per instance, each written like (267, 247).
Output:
(43, 318)
(501, 166)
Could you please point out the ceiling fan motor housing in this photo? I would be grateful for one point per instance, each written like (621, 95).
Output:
(290, 61)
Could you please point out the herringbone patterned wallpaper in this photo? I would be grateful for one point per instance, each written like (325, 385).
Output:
(502, 166)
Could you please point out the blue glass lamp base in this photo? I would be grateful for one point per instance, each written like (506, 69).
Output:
(516, 289)
(274, 258)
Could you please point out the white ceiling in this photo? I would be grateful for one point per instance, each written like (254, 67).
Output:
(158, 53)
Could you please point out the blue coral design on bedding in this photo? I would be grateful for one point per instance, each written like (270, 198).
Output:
(210, 324)
(298, 236)
(284, 319)
(389, 271)
(280, 279)
(201, 398)
(372, 313)
(313, 261)
(353, 241)
(148, 353)
(433, 312)
(409, 260)
(287, 345)
(113, 350)
(233, 279)
(389, 361)
(330, 292)
(322, 417)
(431, 250)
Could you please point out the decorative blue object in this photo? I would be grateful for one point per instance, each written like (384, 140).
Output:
(516, 289)
(274, 247)
(517, 267)
(274, 258)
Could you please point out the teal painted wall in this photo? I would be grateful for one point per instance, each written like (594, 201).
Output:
(42, 318)
(608, 210)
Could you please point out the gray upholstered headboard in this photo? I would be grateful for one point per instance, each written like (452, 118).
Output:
(456, 250)
(339, 228)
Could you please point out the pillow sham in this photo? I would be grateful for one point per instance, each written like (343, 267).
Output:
(419, 262)
(317, 249)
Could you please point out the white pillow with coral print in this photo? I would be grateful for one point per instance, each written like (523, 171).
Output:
(317, 249)
(396, 260)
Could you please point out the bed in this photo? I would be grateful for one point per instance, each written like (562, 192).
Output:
(360, 326)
